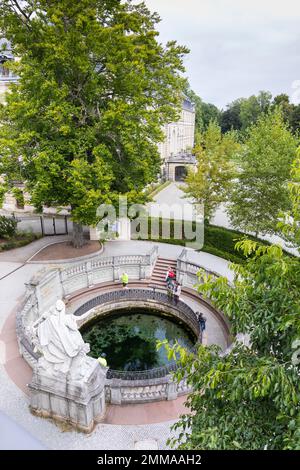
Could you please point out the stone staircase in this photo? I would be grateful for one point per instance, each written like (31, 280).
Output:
(160, 270)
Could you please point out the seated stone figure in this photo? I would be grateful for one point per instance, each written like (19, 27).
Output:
(61, 344)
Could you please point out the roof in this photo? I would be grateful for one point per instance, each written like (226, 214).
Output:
(188, 105)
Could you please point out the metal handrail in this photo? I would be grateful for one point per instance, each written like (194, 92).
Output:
(156, 373)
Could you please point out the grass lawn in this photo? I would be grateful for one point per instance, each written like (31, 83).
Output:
(218, 241)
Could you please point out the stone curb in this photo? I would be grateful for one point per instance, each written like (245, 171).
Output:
(64, 261)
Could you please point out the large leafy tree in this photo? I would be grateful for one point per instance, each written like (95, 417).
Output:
(249, 397)
(290, 111)
(231, 118)
(290, 221)
(243, 112)
(211, 182)
(94, 91)
(253, 107)
(261, 191)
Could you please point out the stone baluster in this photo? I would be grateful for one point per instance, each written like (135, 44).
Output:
(116, 270)
(172, 392)
(89, 273)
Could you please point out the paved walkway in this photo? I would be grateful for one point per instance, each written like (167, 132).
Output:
(222, 220)
(165, 250)
(173, 196)
(170, 203)
(15, 437)
(21, 255)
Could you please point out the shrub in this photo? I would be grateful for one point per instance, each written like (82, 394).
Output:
(3, 190)
(218, 241)
(21, 240)
(8, 226)
(18, 194)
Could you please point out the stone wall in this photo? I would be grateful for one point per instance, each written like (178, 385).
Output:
(50, 285)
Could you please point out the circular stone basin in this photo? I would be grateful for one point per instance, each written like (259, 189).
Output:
(128, 338)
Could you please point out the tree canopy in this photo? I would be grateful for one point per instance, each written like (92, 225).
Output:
(95, 88)
(249, 397)
(211, 182)
(261, 193)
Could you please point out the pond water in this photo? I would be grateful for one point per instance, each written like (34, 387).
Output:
(129, 337)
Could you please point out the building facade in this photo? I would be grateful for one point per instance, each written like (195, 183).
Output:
(6, 76)
(176, 150)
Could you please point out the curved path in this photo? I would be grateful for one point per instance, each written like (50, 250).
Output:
(13, 401)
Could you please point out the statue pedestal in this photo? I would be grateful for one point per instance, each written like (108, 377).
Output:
(78, 401)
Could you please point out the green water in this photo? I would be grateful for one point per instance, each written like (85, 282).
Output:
(128, 338)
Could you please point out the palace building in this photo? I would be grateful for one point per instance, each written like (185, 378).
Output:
(6, 76)
(176, 150)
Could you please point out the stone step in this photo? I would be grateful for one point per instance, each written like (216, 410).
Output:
(162, 269)
(160, 278)
(166, 264)
(168, 260)
(157, 269)
(161, 274)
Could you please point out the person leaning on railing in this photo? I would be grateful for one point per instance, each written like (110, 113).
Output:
(125, 279)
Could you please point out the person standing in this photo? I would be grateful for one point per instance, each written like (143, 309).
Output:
(125, 279)
(102, 360)
(170, 289)
(170, 277)
(177, 292)
(202, 323)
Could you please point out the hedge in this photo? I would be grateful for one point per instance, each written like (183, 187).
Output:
(8, 226)
(218, 241)
(20, 240)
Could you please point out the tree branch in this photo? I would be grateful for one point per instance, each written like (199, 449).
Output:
(15, 4)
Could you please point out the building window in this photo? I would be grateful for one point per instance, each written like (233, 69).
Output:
(4, 71)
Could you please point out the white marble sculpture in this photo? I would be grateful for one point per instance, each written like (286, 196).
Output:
(60, 343)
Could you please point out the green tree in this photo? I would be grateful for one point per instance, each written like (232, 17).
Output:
(205, 112)
(231, 118)
(290, 111)
(211, 182)
(243, 112)
(210, 112)
(295, 119)
(249, 397)
(290, 221)
(261, 191)
(94, 91)
(253, 107)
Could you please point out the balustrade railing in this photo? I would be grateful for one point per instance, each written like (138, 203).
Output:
(183, 312)
(187, 269)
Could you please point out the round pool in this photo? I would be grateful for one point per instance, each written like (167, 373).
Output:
(129, 337)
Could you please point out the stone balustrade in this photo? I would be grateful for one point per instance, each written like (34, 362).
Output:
(187, 271)
(50, 285)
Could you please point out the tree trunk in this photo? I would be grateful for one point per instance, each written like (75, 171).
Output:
(78, 240)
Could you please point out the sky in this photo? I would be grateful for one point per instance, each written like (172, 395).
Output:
(237, 47)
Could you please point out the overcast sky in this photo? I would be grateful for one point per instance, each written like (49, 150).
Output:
(238, 47)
